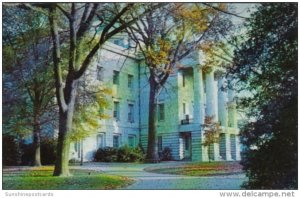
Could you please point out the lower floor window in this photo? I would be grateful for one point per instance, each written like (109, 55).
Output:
(159, 143)
(101, 140)
(116, 141)
(77, 148)
(131, 141)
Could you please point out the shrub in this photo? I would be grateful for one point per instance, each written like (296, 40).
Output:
(27, 154)
(137, 155)
(106, 154)
(166, 154)
(48, 151)
(122, 154)
(127, 154)
(11, 153)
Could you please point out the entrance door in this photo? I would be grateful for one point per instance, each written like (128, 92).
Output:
(187, 151)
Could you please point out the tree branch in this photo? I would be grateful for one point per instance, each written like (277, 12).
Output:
(64, 11)
(56, 60)
(113, 21)
(86, 20)
(220, 10)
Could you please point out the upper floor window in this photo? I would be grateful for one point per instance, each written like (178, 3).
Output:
(117, 41)
(183, 80)
(184, 108)
(116, 112)
(100, 73)
(161, 112)
(130, 81)
(116, 76)
(130, 113)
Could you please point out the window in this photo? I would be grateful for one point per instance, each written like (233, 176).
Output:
(130, 81)
(101, 140)
(116, 113)
(117, 42)
(116, 75)
(161, 112)
(159, 143)
(77, 148)
(99, 73)
(116, 141)
(130, 113)
(183, 80)
(76, 145)
(184, 109)
(187, 143)
(131, 141)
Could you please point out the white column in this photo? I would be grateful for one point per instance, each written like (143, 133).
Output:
(198, 96)
(227, 147)
(223, 117)
(212, 106)
(222, 102)
(210, 95)
(199, 115)
(238, 148)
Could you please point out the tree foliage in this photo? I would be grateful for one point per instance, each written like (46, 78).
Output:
(166, 36)
(90, 109)
(266, 67)
(29, 90)
(211, 134)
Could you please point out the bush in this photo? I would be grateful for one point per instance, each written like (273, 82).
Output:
(48, 151)
(166, 154)
(127, 154)
(27, 154)
(106, 154)
(122, 154)
(11, 153)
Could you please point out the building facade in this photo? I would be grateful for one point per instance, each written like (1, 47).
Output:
(190, 94)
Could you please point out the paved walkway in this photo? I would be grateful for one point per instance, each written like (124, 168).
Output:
(154, 181)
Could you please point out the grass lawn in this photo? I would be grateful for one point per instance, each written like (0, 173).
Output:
(201, 169)
(41, 178)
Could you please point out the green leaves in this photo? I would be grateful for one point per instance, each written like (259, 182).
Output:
(266, 65)
(88, 115)
(211, 131)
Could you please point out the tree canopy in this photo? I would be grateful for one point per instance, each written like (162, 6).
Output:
(265, 65)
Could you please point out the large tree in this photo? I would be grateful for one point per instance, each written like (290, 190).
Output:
(71, 26)
(265, 65)
(28, 91)
(66, 92)
(167, 35)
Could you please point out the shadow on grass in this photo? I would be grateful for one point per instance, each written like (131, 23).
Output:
(42, 179)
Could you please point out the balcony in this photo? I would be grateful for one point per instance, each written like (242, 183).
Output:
(187, 120)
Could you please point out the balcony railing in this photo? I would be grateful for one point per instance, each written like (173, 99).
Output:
(187, 120)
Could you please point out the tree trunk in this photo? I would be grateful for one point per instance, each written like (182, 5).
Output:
(152, 149)
(37, 143)
(62, 157)
(65, 127)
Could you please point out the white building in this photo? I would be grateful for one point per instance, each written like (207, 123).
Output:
(189, 95)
